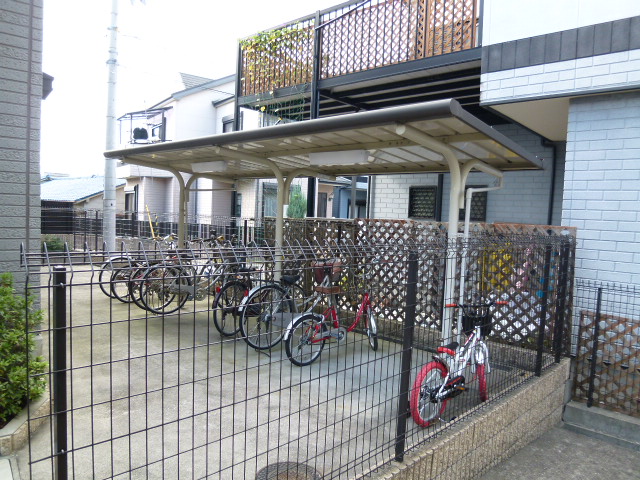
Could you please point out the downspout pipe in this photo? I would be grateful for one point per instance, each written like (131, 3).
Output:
(467, 223)
(552, 187)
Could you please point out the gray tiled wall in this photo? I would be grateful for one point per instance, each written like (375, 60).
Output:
(20, 97)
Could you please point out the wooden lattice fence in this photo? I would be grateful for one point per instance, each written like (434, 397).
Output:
(530, 266)
(607, 347)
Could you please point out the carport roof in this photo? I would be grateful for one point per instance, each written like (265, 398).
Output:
(390, 141)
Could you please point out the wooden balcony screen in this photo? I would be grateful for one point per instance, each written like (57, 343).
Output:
(376, 34)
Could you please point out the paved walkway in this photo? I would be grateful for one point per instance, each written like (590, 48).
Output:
(563, 454)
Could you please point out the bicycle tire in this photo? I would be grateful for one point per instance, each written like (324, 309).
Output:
(136, 282)
(481, 372)
(107, 271)
(226, 308)
(264, 316)
(372, 330)
(423, 410)
(119, 284)
(165, 289)
(309, 333)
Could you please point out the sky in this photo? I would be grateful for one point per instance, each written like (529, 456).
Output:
(157, 39)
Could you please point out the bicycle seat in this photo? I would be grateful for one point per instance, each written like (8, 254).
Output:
(449, 349)
(290, 279)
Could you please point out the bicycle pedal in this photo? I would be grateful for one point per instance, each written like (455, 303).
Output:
(338, 333)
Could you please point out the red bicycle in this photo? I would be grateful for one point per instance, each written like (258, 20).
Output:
(307, 334)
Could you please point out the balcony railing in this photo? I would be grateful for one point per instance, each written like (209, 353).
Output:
(354, 37)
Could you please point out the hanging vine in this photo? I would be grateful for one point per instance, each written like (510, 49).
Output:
(277, 58)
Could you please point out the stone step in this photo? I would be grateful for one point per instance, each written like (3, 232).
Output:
(613, 427)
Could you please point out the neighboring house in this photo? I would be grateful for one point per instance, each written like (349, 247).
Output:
(65, 201)
(559, 78)
(202, 108)
(78, 193)
(207, 107)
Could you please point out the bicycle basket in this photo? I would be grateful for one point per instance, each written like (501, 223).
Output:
(333, 268)
(481, 317)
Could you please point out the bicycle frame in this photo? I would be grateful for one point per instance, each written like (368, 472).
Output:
(461, 359)
(330, 314)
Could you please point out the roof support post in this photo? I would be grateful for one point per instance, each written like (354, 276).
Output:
(454, 208)
(183, 198)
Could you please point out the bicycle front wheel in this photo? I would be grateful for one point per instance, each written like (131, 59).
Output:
(266, 313)
(226, 308)
(424, 409)
(481, 372)
(306, 340)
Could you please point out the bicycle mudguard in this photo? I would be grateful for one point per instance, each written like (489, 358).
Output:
(289, 329)
(482, 354)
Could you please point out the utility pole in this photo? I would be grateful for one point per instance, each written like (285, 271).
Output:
(109, 206)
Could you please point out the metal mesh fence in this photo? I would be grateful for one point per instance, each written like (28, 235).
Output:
(235, 360)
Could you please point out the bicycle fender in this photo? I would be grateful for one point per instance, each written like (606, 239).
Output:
(481, 353)
(289, 329)
(243, 303)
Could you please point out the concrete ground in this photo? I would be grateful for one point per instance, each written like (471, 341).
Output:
(563, 454)
(169, 398)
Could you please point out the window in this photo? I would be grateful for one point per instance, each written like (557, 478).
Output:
(269, 199)
(238, 211)
(227, 123)
(422, 202)
(322, 204)
(478, 205)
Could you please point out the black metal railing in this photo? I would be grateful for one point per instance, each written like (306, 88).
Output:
(356, 36)
(83, 227)
(154, 389)
(606, 345)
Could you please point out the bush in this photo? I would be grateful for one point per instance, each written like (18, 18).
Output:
(297, 204)
(54, 244)
(16, 345)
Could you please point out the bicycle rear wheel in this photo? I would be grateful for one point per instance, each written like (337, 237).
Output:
(265, 314)
(119, 284)
(226, 314)
(165, 289)
(306, 340)
(424, 409)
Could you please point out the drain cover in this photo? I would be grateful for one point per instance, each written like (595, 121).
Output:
(288, 471)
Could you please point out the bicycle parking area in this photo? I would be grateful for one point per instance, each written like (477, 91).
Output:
(167, 395)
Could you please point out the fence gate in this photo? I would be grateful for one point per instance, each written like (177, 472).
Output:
(607, 346)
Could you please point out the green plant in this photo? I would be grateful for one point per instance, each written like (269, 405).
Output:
(21, 378)
(54, 244)
(297, 204)
(277, 58)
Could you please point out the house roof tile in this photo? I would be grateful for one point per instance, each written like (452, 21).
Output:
(74, 189)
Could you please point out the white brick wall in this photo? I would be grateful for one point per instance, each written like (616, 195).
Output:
(611, 71)
(20, 98)
(523, 199)
(602, 185)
